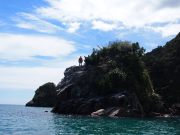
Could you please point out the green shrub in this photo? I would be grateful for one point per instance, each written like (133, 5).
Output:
(122, 68)
(114, 50)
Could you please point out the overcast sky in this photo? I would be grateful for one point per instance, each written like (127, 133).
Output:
(40, 38)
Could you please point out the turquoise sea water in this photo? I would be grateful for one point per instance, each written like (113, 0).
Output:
(21, 120)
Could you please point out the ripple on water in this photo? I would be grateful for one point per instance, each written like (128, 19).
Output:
(20, 120)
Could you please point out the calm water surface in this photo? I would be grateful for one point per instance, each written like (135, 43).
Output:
(20, 120)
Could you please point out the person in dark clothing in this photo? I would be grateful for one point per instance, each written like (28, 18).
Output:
(80, 61)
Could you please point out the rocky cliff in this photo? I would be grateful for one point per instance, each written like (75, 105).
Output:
(119, 80)
(163, 64)
(45, 96)
(113, 82)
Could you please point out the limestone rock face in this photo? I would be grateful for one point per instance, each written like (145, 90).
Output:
(45, 96)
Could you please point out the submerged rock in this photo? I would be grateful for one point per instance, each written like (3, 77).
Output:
(45, 96)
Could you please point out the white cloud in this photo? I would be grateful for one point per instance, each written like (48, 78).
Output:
(73, 27)
(32, 22)
(28, 78)
(19, 47)
(167, 30)
(100, 25)
(130, 14)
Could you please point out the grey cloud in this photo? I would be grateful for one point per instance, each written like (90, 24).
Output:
(169, 3)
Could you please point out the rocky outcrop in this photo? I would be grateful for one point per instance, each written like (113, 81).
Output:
(176, 109)
(115, 82)
(102, 89)
(45, 96)
(163, 64)
(76, 97)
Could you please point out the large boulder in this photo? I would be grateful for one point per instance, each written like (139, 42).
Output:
(45, 96)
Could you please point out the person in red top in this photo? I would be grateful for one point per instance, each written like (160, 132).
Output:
(80, 61)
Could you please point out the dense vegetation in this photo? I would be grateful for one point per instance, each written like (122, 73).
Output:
(164, 67)
(124, 69)
(119, 68)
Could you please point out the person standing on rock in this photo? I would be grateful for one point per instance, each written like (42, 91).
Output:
(80, 61)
